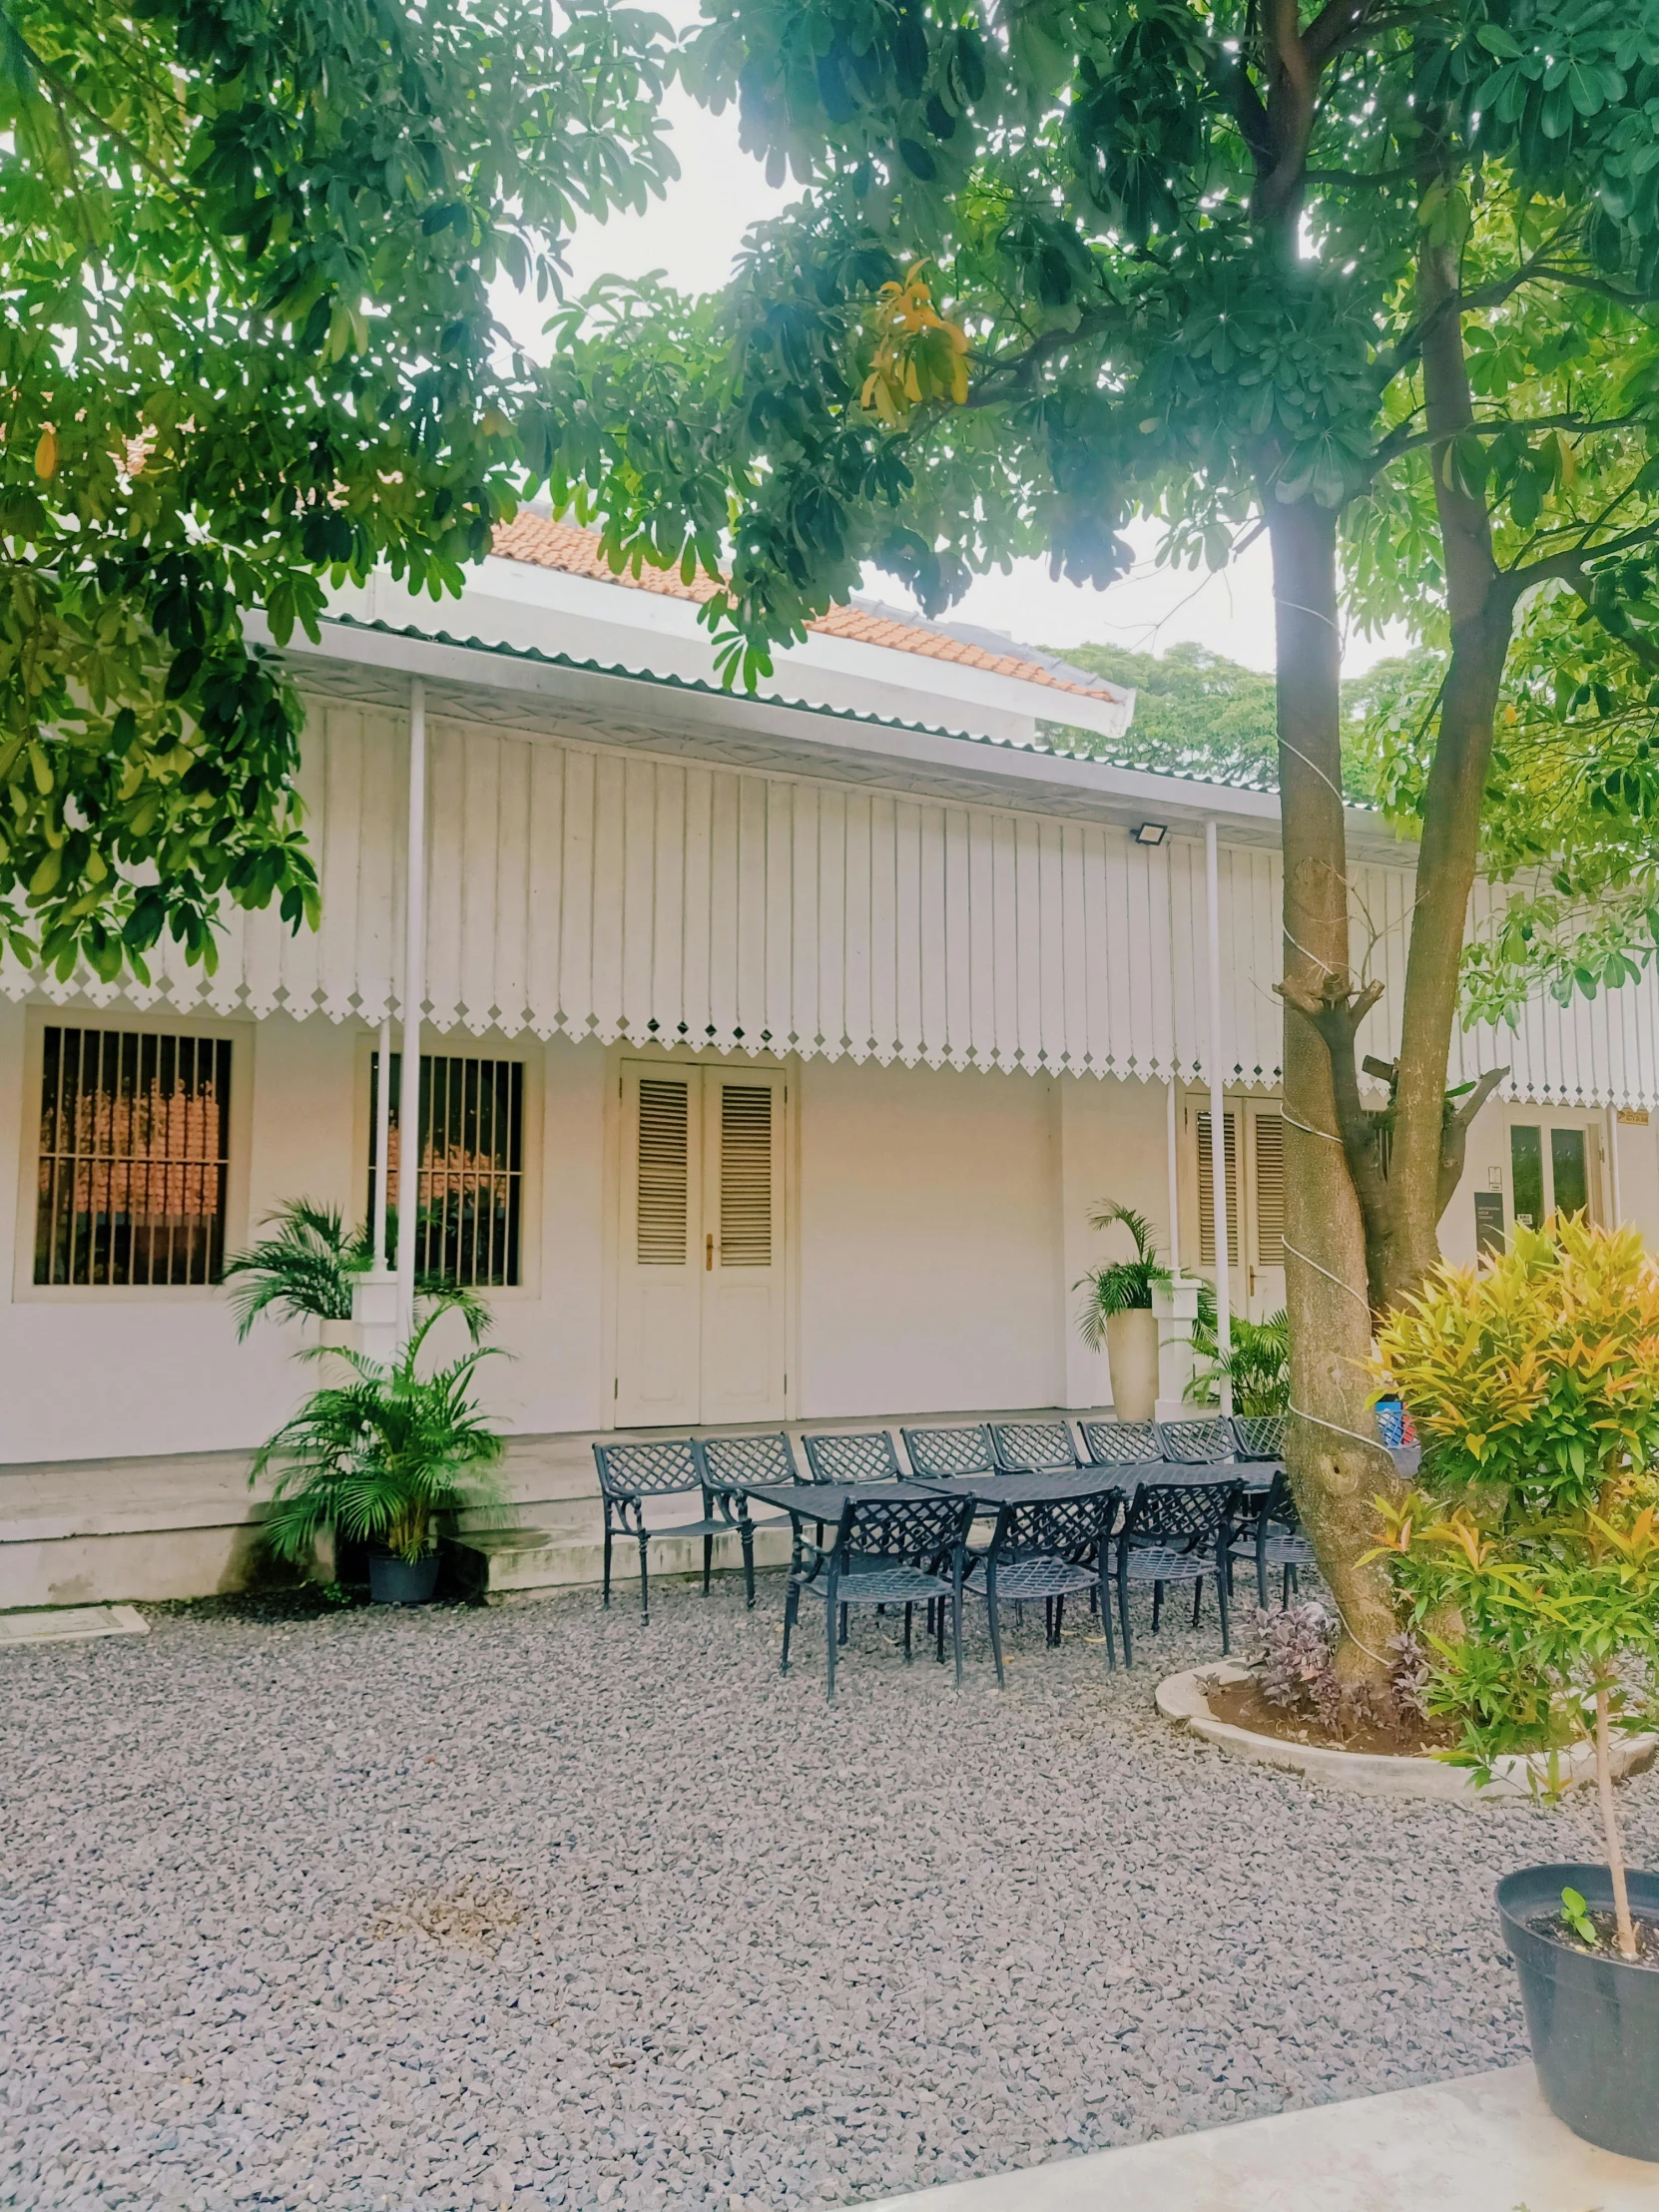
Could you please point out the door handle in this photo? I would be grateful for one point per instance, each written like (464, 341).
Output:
(709, 1251)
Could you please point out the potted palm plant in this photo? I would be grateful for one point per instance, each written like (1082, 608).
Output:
(1116, 1312)
(307, 1270)
(1528, 1554)
(380, 1460)
(1256, 1367)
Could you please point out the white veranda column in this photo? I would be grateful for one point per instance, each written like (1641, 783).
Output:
(414, 993)
(1218, 1116)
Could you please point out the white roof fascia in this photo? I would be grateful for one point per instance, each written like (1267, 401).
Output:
(551, 611)
(1005, 775)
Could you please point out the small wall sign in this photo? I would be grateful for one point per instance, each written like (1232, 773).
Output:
(1488, 1221)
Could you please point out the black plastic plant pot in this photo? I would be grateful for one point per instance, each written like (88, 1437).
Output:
(395, 1581)
(1593, 2021)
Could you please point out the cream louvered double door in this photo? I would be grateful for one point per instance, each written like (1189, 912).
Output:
(701, 1315)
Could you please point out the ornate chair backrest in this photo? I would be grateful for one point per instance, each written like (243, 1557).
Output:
(1030, 1446)
(1055, 1528)
(1279, 1506)
(1182, 1516)
(1196, 1444)
(909, 1532)
(951, 1452)
(1122, 1443)
(860, 1455)
(1260, 1436)
(749, 1459)
(654, 1470)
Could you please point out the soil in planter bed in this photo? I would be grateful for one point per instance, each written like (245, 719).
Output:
(1242, 1705)
(1555, 1931)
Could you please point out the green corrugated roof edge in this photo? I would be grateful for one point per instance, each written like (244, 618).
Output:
(799, 705)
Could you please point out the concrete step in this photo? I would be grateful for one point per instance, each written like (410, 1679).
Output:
(496, 1563)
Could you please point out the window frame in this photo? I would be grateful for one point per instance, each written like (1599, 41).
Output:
(239, 1035)
(464, 1045)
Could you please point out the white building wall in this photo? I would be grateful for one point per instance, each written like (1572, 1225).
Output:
(929, 1251)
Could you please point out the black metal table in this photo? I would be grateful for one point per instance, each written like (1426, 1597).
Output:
(823, 1502)
(1039, 1486)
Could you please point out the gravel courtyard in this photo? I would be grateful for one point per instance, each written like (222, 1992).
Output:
(529, 1908)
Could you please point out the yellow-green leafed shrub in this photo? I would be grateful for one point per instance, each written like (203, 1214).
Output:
(1534, 1386)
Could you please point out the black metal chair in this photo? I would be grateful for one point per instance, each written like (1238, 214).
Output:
(945, 1452)
(732, 1466)
(1175, 1532)
(1274, 1540)
(1033, 1446)
(631, 1473)
(1196, 1444)
(886, 1551)
(1260, 1436)
(853, 1456)
(1048, 1550)
(1122, 1443)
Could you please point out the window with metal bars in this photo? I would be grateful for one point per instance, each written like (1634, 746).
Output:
(469, 1184)
(134, 1158)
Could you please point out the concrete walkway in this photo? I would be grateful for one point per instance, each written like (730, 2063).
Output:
(1484, 2144)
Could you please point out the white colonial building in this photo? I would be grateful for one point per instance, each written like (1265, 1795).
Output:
(774, 1052)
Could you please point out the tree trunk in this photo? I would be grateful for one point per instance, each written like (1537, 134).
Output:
(1335, 1467)
(1482, 610)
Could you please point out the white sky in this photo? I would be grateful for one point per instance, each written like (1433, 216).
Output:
(693, 237)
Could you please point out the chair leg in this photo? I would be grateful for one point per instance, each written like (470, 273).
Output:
(1198, 1599)
(1104, 1607)
(1059, 1619)
(956, 1618)
(908, 1612)
(792, 1608)
(833, 1614)
(844, 1624)
(1123, 1619)
(745, 1536)
(1262, 1598)
(645, 1580)
(939, 1631)
(1157, 1605)
(1221, 1602)
(608, 1540)
(708, 1561)
(996, 1627)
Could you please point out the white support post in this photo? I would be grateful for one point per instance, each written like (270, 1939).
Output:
(1172, 1141)
(414, 993)
(382, 1143)
(374, 1294)
(1218, 1118)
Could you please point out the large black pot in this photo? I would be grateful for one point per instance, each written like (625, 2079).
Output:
(1593, 2021)
(395, 1581)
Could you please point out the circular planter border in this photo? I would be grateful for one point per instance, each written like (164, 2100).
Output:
(1181, 1698)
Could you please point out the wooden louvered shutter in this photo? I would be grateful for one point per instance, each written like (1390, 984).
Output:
(746, 1175)
(1269, 1191)
(1207, 1193)
(664, 1174)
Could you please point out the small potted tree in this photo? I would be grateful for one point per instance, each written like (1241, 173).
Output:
(1528, 1554)
(306, 1269)
(1117, 1313)
(380, 1460)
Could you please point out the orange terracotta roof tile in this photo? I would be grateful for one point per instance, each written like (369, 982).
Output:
(544, 543)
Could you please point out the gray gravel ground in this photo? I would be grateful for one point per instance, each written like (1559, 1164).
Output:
(529, 1908)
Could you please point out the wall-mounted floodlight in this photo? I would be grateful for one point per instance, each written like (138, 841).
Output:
(1151, 832)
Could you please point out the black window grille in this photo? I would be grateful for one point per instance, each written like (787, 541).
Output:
(471, 1174)
(133, 1160)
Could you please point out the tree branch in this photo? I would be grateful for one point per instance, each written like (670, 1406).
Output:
(1584, 424)
(1454, 1136)
(1335, 1010)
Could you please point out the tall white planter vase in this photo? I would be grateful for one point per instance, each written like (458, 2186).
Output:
(1132, 1350)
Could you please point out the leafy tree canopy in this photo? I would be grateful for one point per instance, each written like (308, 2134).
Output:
(247, 346)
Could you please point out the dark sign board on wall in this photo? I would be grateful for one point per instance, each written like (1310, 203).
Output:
(1488, 1221)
